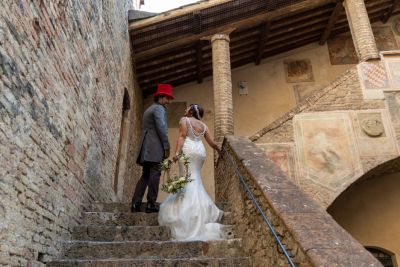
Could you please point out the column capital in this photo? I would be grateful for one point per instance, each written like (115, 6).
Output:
(220, 36)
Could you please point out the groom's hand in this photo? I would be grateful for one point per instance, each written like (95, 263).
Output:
(166, 153)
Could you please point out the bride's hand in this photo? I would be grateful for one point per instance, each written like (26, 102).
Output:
(175, 158)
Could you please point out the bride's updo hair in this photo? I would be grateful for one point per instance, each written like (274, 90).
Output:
(197, 111)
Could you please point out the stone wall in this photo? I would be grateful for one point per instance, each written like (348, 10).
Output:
(310, 235)
(64, 66)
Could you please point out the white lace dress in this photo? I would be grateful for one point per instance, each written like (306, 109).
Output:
(191, 214)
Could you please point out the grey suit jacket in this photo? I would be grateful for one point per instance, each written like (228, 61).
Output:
(154, 139)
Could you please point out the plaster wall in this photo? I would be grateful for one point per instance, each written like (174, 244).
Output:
(269, 95)
(369, 211)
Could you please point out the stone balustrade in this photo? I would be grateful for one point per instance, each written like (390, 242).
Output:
(308, 232)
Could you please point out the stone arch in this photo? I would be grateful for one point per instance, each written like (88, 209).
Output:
(385, 168)
(368, 209)
(120, 167)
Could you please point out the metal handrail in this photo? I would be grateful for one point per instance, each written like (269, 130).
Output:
(252, 197)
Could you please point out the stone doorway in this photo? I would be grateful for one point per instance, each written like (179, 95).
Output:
(123, 146)
(369, 211)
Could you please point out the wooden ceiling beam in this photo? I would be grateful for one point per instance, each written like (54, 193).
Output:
(240, 60)
(160, 78)
(173, 14)
(148, 40)
(371, 9)
(332, 21)
(179, 65)
(167, 79)
(245, 57)
(370, 15)
(389, 12)
(248, 46)
(290, 47)
(295, 8)
(316, 23)
(345, 28)
(290, 41)
(169, 56)
(241, 48)
(302, 17)
(298, 34)
(250, 33)
(264, 32)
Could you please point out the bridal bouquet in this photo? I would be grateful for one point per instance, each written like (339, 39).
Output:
(176, 183)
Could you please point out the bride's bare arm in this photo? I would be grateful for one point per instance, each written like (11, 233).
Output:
(210, 141)
(181, 137)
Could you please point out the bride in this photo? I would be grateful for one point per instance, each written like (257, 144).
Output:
(191, 214)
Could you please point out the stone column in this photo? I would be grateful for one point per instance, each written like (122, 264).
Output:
(361, 30)
(223, 105)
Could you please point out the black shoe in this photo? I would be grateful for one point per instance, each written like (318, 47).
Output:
(151, 207)
(135, 207)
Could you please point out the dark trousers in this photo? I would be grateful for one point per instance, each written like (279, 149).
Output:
(150, 179)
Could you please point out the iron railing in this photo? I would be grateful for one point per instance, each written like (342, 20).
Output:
(255, 202)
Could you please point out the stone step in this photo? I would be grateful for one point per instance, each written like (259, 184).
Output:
(182, 262)
(121, 233)
(130, 233)
(132, 219)
(126, 207)
(153, 249)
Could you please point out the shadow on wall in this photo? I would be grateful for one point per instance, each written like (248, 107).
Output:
(369, 211)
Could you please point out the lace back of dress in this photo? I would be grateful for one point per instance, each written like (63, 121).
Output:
(192, 133)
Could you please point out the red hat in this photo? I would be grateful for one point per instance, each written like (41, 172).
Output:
(164, 90)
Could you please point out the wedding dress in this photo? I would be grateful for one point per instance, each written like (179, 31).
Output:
(191, 214)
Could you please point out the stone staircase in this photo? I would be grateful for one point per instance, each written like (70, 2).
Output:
(113, 236)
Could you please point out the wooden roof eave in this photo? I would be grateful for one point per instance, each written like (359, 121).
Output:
(245, 21)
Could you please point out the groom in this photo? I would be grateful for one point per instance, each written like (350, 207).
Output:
(154, 148)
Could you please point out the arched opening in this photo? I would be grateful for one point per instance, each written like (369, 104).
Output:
(369, 210)
(384, 256)
(123, 145)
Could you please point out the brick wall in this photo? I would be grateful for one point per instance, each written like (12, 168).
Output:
(310, 235)
(63, 69)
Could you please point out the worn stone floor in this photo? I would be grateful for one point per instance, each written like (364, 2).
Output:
(111, 235)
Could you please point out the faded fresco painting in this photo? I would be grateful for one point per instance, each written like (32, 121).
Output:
(396, 25)
(393, 105)
(392, 64)
(385, 39)
(298, 70)
(374, 133)
(326, 148)
(342, 51)
(282, 154)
